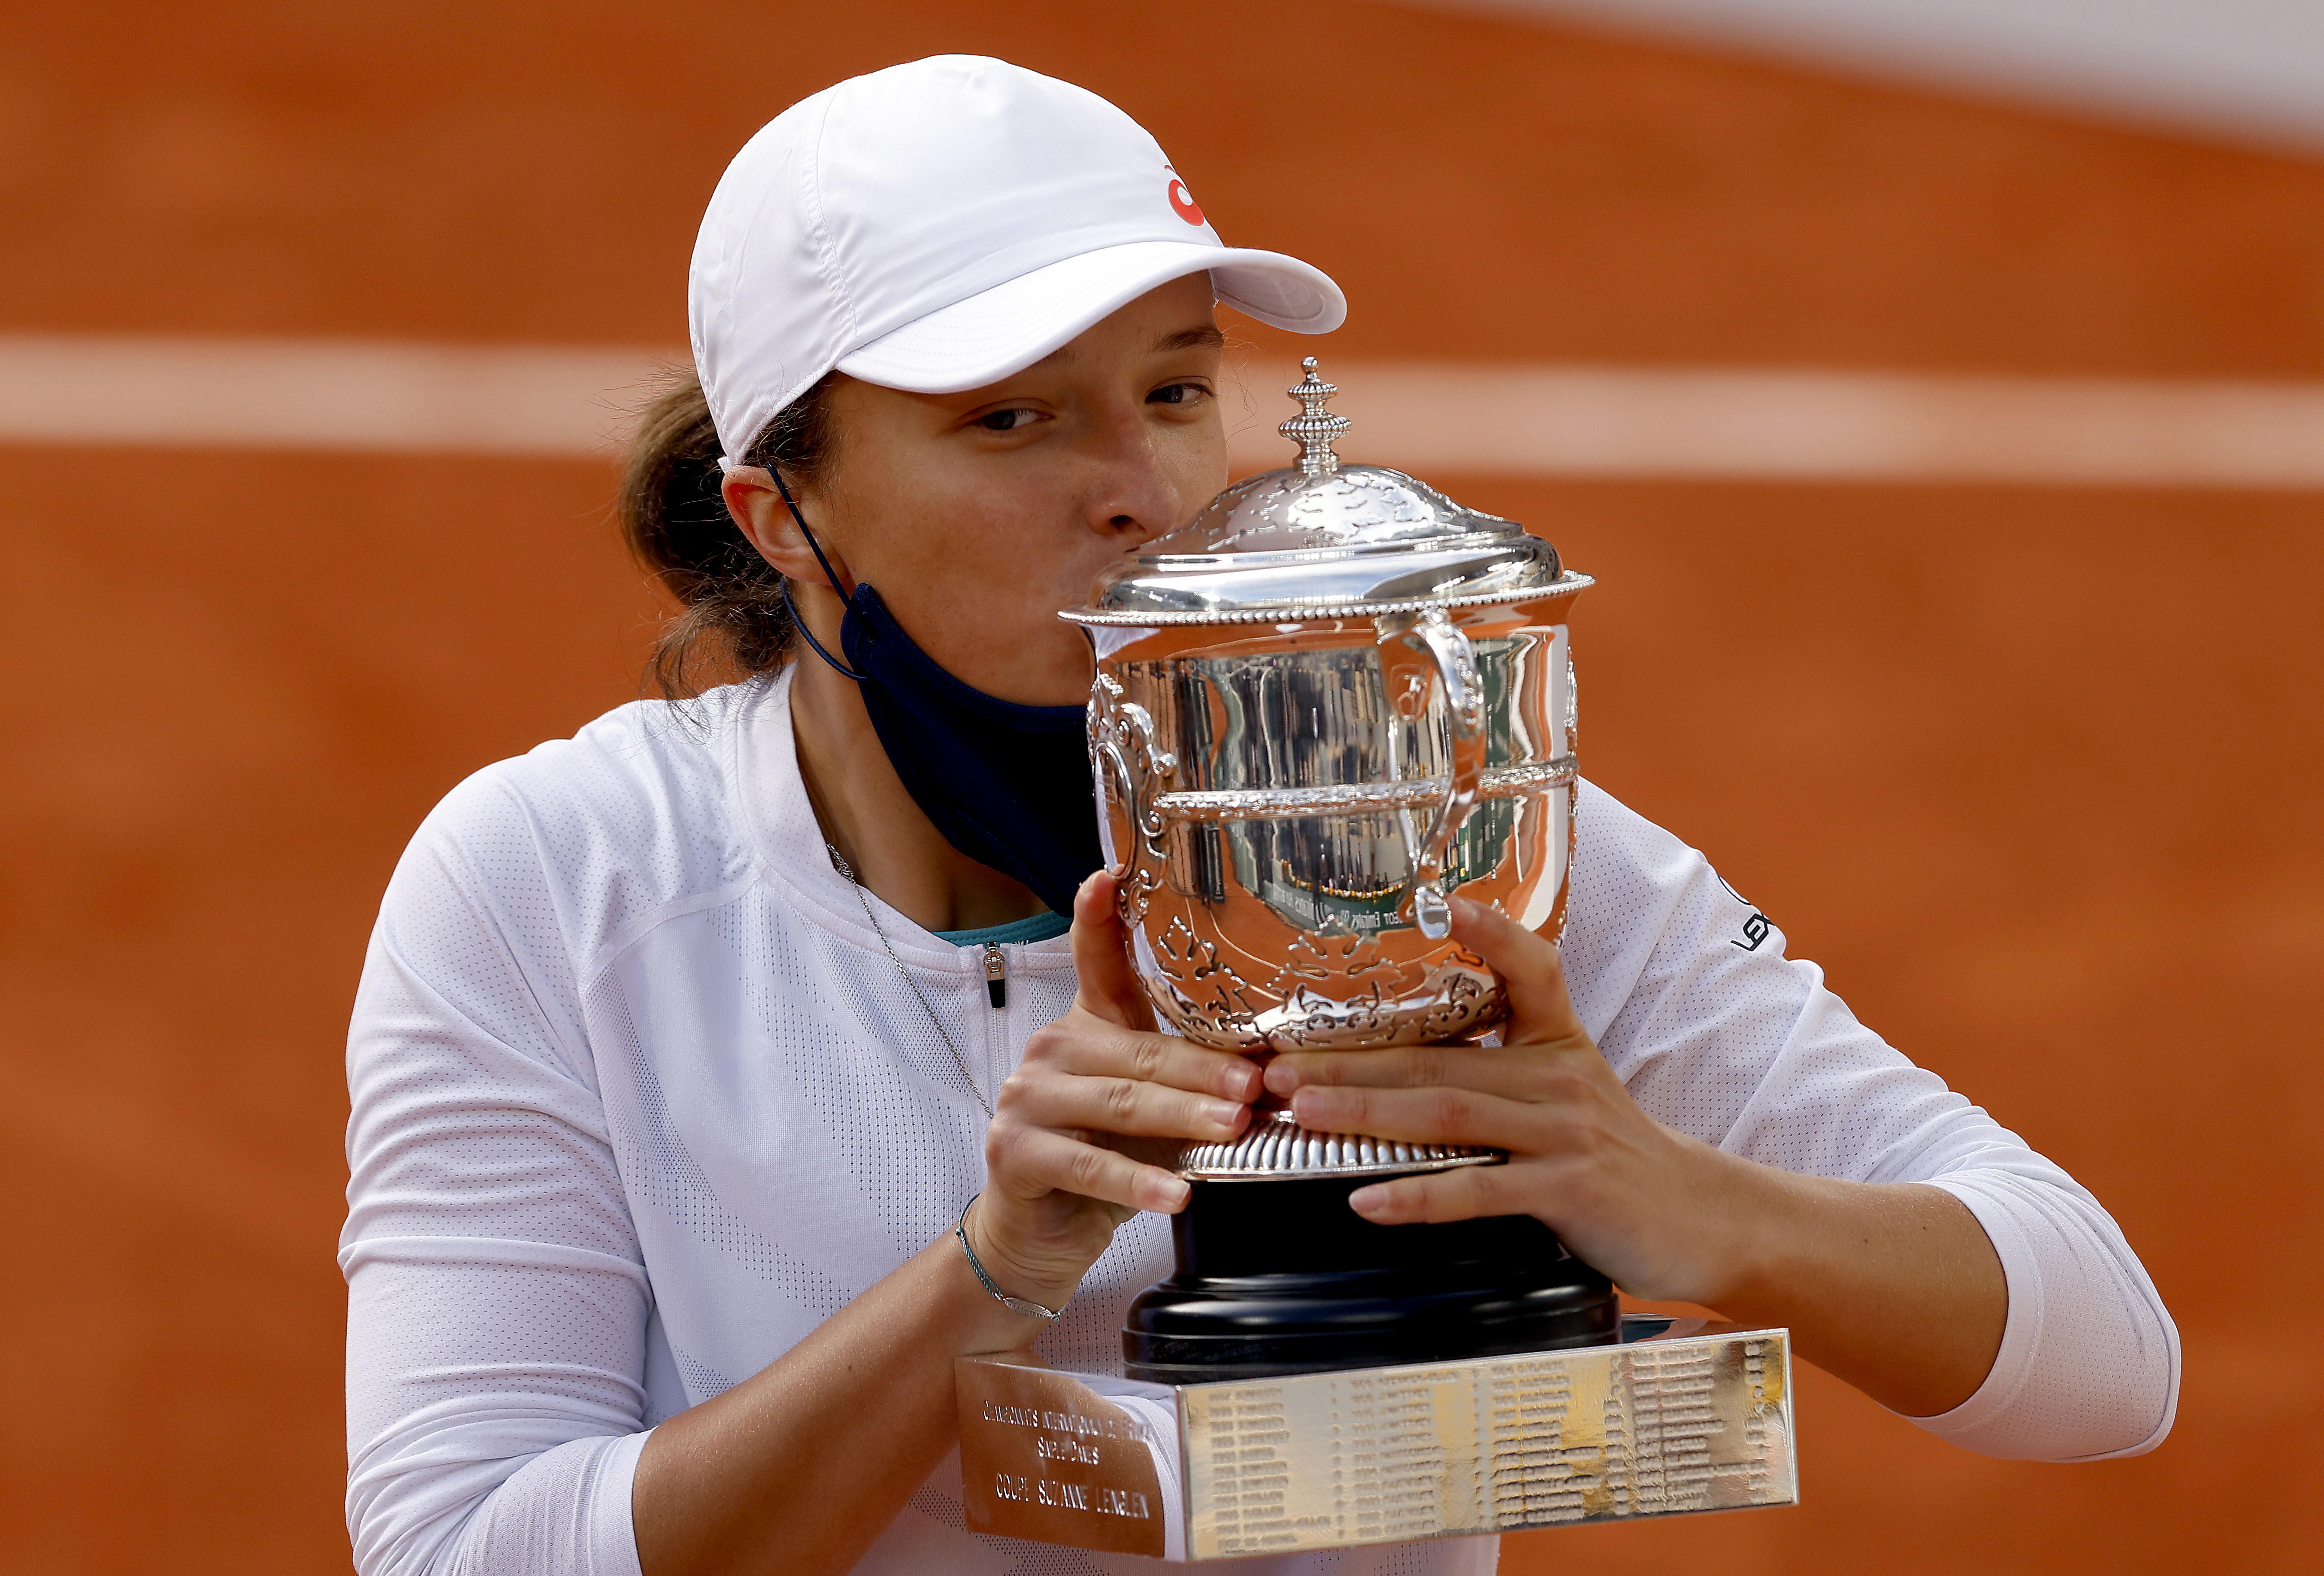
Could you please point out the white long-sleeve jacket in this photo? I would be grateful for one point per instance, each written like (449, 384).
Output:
(638, 1098)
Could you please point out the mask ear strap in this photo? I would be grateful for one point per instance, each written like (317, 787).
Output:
(813, 545)
(797, 622)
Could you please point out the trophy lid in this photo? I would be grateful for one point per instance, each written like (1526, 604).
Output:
(1323, 539)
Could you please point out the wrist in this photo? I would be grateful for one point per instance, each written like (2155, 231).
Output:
(980, 1324)
(1005, 1277)
(1747, 1222)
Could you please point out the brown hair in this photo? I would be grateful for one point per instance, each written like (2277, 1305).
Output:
(732, 621)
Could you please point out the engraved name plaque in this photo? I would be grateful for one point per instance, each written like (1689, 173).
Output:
(1698, 1418)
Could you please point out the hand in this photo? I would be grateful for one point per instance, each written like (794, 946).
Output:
(1663, 1214)
(1053, 1192)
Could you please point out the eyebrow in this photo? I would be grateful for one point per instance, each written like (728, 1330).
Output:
(1207, 336)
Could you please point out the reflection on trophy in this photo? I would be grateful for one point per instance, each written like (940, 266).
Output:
(1331, 701)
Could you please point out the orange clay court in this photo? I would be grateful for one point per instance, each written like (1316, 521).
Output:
(2030, 770)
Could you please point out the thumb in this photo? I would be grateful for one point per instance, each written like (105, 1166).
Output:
(1107, 987)
(1531, 971)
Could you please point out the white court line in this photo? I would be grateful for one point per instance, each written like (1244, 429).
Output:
(1835, 427)
(2251, 69)
(360, 396)
(1524, 420)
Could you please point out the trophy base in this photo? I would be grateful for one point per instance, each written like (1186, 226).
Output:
(1676, 1418)
(1282, 1277)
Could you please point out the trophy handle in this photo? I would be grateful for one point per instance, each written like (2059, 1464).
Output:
(1464, 699)
(1132, 767)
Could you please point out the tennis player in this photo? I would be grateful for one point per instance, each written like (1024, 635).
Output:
(684, 1044)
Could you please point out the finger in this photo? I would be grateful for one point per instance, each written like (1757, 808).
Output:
(1467, 1193)
(1540, 1010)
(1422, 1116)
(1091, 1047)
(1038, 1161)
(1488, 1070)
(1126, 1105)
(1107, 986)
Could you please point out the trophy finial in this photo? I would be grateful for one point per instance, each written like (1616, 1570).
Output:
(1314, 430)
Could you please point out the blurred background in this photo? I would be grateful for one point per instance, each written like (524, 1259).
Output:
(1937, 391)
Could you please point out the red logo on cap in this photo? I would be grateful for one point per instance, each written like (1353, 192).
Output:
(1183, 203)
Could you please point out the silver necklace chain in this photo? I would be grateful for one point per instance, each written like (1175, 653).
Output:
(839, 863)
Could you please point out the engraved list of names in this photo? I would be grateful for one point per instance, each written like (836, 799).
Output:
(1389, 1455)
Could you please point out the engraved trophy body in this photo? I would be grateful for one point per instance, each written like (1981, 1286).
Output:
(1333, 698)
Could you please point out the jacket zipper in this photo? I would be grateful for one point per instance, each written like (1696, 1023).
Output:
(996, 981)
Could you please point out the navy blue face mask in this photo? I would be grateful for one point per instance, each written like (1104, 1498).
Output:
(1007, 785)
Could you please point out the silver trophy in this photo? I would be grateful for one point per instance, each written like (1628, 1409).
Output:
(1328, 703)
(1333, 698)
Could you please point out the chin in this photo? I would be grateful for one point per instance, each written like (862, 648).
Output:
(1034, 667)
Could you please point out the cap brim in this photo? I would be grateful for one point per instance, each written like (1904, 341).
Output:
(1003, 330)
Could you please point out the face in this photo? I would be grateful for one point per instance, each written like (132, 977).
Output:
(979, 515)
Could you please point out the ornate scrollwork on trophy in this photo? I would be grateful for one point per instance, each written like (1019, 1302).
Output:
(1133, 768)
(1207, 999)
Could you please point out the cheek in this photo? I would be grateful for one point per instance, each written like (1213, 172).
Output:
(1011, 554)
(1196, 465)
(986, 559)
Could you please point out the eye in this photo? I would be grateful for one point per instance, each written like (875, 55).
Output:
(1006, 420)
(1177, 394)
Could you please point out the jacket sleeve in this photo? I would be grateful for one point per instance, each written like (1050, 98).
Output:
(1717, 1033)
(497, 1302)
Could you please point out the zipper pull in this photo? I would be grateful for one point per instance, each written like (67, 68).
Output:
(996, 964)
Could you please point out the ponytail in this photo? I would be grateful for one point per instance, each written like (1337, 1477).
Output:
(733, 621)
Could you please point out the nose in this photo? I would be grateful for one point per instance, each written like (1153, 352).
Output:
(1133, 495)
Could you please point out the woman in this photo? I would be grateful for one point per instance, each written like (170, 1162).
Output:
(684, 1044)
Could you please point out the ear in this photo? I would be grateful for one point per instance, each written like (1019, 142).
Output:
(766, 522)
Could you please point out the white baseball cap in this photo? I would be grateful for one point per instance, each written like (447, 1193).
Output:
(939, 225)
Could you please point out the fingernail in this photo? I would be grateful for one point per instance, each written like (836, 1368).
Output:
(1172, 1194)
(1467, 909)
(1365, 1200)
(1225, 1113)
(1282, 1077)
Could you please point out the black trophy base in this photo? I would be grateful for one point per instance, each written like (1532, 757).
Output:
(1282, 1277)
